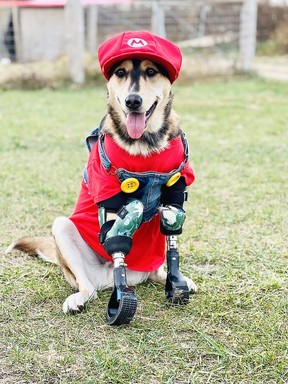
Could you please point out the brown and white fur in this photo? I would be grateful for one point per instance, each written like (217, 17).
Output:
(91, 273)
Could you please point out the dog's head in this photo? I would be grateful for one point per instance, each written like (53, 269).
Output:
(139, 93)
(140, 68)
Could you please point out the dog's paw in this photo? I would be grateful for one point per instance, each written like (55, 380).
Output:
(191, 285)
(75, 303)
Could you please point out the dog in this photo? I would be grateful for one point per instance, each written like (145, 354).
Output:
(139, 136)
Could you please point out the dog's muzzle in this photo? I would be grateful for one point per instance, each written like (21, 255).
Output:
(136, 121)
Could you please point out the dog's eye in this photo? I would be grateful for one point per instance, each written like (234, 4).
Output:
(120, 73)
(150, 72)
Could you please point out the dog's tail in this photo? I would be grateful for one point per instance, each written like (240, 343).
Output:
(44, 247)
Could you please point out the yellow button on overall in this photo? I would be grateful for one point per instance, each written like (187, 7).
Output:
(130, 185)
(173, 179)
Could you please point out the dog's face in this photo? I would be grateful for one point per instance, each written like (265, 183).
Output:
(138, 95)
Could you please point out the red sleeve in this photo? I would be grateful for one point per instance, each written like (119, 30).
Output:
(188, 174)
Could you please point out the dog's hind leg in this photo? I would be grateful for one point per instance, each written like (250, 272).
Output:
(81, 266)
(158, 276)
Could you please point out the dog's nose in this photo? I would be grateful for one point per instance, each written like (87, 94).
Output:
(133, 101)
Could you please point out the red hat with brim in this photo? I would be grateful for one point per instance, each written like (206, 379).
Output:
(141, 45)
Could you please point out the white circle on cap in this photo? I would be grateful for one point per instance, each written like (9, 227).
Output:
(136, 42)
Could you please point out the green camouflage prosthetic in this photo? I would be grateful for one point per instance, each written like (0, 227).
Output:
(128, 220)
(172, 218)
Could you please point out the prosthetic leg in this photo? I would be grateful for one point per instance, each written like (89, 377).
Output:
(176, 288)
(116, 236)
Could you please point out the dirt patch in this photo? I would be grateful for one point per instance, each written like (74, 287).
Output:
(272, 68)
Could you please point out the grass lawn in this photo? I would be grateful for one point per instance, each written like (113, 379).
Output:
(234, 245)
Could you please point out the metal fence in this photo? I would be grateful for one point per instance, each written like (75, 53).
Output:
(32, 34)
(179, 20)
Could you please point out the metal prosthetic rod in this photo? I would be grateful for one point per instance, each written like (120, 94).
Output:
(176, 289)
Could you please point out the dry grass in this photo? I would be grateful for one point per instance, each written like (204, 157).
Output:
(55, 74)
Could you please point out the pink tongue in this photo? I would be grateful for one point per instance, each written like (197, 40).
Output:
(135, 124)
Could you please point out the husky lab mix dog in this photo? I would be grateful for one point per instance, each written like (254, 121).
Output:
(137, 165)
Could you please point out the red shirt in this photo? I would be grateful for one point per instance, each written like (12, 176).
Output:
(148, 244)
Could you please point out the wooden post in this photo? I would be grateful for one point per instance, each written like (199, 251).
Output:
(17, 35)
(158, 19)
(92, 22)
(248, 31)
(74, 26)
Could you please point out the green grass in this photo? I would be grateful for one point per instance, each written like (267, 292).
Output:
(234, 245)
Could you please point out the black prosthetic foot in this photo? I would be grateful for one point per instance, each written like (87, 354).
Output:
(176, 289)
(123, 303)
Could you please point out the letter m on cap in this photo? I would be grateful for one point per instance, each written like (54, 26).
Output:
(136, 42)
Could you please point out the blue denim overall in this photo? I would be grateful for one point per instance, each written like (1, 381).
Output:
(149, 191)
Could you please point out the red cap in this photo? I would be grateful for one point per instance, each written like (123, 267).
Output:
(140, 45)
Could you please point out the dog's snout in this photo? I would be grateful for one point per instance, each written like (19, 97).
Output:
(133, 101)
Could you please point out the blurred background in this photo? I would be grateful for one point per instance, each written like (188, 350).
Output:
(50, 42)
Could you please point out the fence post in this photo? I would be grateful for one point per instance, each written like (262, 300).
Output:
(17, 36)
(74, 26)
(248, 31)
(92, 22)
(158, 19)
